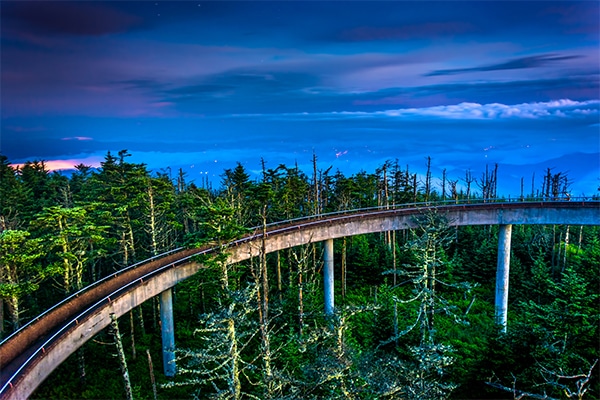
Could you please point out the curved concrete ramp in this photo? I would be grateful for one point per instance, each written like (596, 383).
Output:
(29, 356)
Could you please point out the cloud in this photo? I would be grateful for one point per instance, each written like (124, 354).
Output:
(518, 63)
(247, 91)
(79, 138)
(553, 109)
(191, 90)
(242, 91)
(574, 87)
(573, 82)
(71, 18)
(251, 81)
(141, 84)
(558, 109)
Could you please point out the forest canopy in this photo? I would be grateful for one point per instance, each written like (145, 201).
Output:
(414, 315)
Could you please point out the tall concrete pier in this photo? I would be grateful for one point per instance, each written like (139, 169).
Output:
(328, 277)
(502, 275)
(168, 332)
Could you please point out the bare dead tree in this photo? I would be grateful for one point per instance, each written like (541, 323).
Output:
(453, 190)
(261, 280)
(444, 184)
(469, 181)
(521, 197)
(315, 185)
(152, 379)
(344, 255)
(121, 355)
(428, 179)
(553, 379)
(518, 394)
(488, 183)
(132, 331)
(301, 261)
(580, 381)
(415, 188)
(495, 182)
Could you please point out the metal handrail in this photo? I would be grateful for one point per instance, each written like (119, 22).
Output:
(432, 203)
(86, 289)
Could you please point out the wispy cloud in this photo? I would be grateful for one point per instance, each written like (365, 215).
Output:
(78, 138)
(553, 109)
(518, 63)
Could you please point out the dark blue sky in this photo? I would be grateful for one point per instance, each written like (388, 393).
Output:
(201, 85)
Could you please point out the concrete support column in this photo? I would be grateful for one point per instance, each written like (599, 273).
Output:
(168, 332)
(502, 275)
(328, 277)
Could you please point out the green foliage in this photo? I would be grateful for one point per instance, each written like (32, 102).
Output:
(475, 255)
(21, 271)
(70, 234)
(13, 196)
(553, 333)
(367, 257)
(217, 225)
(408, 337)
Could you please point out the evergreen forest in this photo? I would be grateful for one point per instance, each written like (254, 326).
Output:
(414, 309)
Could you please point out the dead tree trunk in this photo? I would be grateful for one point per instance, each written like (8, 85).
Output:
(344, 249)
(132, 330)
(444, 184)
(468, 180)
(279, 285)
(121, 355)
(262, 297)
(152, 379)
(81, 365)
(315, 185)
(428, 179)
(566, 248)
